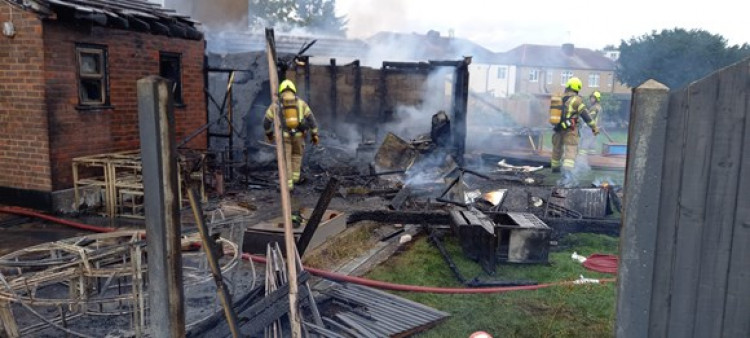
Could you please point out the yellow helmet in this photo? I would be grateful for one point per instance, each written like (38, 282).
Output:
(596, 94)
(575, 84)
(287, 85)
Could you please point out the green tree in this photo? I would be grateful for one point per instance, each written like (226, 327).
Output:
(318, 16)
(675, 57)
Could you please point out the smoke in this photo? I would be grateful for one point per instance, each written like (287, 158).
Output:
(411, 121)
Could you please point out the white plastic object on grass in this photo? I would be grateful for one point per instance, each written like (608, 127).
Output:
(404, 239)
(583, 280)
(578, 257)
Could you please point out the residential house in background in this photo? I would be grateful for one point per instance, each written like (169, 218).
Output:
(68, 74)
(546, 69)
(489, 72)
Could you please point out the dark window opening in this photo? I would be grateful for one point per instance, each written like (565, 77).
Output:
(170, 68)
(92, 75)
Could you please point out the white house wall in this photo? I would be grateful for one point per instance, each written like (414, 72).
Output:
(483, 79)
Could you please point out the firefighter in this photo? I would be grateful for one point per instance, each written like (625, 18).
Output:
(296, 121)
(565, 138)
(588, 140)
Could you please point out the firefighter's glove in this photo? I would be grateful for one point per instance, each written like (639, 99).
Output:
(269, 137)
(595, 129)
(315, 139)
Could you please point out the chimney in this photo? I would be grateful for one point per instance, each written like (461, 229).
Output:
(568, 49)
(433, 35)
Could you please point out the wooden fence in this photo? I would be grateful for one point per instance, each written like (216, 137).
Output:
(685, 242)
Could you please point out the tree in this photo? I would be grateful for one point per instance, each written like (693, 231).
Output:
(317, 16)
(675, 57)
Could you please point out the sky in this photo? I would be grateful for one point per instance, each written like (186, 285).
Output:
(503, 25)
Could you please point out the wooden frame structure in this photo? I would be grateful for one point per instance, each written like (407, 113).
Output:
(119, 176)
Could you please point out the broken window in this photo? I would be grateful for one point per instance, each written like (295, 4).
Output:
(92, 75)
(170, 68)
(502, 72)
(534, 75)
(565, 76)
(594, 80)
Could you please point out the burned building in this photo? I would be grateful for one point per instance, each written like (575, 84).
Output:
(68, 72)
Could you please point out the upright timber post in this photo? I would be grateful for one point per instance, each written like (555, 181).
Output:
(643, 179)
(162, 211)
(286, 204)
(460, 108)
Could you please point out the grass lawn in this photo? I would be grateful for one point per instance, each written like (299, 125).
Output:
(564, 311)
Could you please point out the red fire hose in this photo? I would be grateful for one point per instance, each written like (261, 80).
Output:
(30, 213)
(602, 263)
(322, 273)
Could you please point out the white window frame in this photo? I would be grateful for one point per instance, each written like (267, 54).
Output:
(594, 79)
(502, 72)
(534, 75)
(565, 76)
(550, 75)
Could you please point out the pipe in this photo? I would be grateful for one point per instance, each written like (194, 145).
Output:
(73, 224)
(332, 275)
(421, 289)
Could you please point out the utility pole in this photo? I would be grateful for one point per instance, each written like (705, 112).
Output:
(159, 157)
(286, 205)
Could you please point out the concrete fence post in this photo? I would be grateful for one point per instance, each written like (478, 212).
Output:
(161, 198)
(643, 176)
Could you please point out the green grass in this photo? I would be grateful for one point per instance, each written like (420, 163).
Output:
(560, 311)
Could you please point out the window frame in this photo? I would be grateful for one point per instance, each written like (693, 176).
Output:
(594, 84)
(550, 75)
(177, 97)
(504, 71)
(565, 76)
(102, 76)
(533, 75)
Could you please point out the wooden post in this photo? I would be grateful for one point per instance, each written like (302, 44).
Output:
(286, 206)
(162, 207)
(643, 176)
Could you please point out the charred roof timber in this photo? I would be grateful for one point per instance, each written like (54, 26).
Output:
(138, 15)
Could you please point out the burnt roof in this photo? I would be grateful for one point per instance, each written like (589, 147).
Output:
(139, 15)
(237, 42)
(433, 46)
(557, 57)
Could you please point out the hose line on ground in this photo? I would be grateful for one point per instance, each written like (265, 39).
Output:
(328, 274)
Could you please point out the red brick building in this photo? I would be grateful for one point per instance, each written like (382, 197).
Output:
(68, 72)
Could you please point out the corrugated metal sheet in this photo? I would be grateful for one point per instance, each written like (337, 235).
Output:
(375, 313)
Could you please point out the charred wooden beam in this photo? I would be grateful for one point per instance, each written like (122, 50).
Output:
(317, 215)
(357, 88)
(460, 107)
(308, 92)
(334, 90)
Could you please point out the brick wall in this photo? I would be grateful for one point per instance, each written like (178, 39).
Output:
(24, 146)
(607, 81)
(131, 56)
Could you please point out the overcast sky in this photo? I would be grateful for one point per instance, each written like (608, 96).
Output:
(502, 25)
